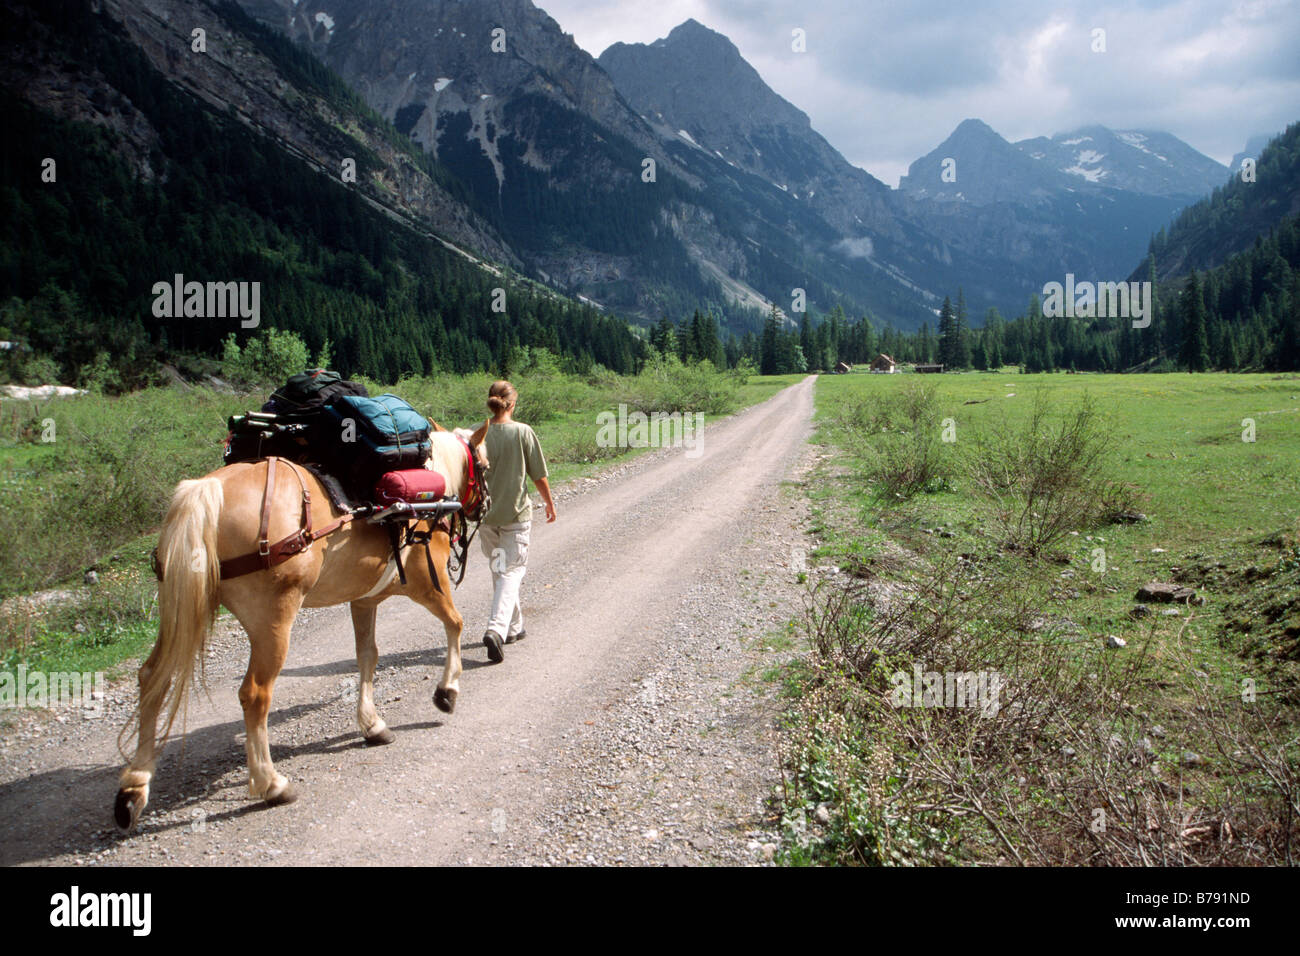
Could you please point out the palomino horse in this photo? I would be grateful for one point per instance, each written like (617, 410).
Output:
(221, 518)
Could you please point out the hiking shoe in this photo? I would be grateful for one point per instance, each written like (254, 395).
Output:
(493, 644)
(517, 637)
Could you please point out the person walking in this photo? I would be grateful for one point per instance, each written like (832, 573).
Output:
(514, 455)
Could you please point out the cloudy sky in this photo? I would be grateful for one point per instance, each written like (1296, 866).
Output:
(886, 82)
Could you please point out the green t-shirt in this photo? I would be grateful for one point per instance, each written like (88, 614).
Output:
(513, 453)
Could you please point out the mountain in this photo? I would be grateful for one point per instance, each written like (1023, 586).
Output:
(976, 165)
(1008, 222)
(556, 159)
(229, 164)
(1232, 218)
(1090, 161)
(748, 203)
(1147, 162)
(489, 149)
(694, 86)
(1085, 202)
(1254, 146)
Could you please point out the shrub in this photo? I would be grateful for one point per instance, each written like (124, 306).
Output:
(898, 436)
(1046, 477)
(266, 360)
(667, 385)
(39, 370)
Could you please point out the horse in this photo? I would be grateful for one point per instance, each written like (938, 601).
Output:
(223, 523)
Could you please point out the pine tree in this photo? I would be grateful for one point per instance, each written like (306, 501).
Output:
(961, 353)
(768, 358)
(1195, 352)
(949, 335)
(806, 337)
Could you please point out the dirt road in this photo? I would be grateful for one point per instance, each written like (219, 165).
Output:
(630, 727)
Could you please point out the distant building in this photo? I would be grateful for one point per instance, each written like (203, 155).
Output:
(842, 368)
(884, 364)
(929, 367)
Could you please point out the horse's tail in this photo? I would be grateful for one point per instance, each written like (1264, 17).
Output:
(187, 597)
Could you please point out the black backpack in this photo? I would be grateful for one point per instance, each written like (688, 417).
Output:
(308, 392)
(290, 424)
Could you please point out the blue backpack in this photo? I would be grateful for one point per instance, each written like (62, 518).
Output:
(375, 436)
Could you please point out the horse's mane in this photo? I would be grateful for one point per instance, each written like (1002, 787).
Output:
(448, 455)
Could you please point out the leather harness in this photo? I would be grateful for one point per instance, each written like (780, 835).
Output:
(476, 503)
(268, 555)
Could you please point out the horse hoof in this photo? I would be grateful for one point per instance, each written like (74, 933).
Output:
(444, 698)
(287, 794)
(384, 736)
(127, 808)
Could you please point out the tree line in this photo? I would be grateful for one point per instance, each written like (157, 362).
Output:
(1243, 315)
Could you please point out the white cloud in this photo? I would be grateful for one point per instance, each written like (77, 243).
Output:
(886, 82)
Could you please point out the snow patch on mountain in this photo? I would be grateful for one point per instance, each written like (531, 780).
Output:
(1138, 141)
(1087, 164)
(1093, 174)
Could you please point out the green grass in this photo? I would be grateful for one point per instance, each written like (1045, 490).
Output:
(1211, 498)
(1224, 517)
(1179, 440)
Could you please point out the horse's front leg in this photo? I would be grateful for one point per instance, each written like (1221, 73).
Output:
(449, 688)
(438, 600)
(372, 726)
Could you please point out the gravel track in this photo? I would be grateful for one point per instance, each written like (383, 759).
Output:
(630, 727)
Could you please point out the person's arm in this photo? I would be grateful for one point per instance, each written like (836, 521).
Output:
(544, 489)
(536, 467)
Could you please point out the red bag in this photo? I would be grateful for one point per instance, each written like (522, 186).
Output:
(413, 485)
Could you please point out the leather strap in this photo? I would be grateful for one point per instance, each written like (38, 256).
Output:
(269, 555)
(267, 493)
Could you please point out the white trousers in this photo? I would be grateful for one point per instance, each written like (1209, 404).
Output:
(506, 548)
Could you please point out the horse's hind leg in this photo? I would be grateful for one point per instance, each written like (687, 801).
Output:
(269, 644)
(134, 785)
(372, 726)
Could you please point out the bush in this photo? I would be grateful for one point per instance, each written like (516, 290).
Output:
(744, 370)
(667, 385)
(1046, 477)
(899, 437)
(100, 376)
(39, 370)
(266, 360)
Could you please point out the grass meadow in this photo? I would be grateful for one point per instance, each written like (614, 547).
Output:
(1002, 524)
